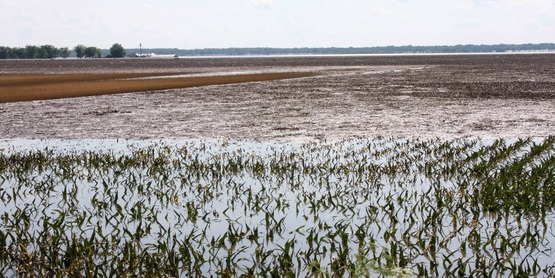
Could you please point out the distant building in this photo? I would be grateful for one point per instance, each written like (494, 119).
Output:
(157, 56)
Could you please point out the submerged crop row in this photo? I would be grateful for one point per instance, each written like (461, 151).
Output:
(363, 208)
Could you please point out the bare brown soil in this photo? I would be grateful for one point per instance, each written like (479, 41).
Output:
(41, 87)
(12, 80)
(349, 97)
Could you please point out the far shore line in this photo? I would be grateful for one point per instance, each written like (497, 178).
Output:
(305, 55)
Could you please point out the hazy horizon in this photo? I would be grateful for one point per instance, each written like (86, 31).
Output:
(196, 24)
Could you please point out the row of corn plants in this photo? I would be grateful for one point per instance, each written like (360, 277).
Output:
(381, 207)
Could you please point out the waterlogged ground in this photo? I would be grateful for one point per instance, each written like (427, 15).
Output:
(426, 97)
(388, 166)
(384, 206)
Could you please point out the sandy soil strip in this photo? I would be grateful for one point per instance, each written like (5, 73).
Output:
(40, 87)
(9, 80)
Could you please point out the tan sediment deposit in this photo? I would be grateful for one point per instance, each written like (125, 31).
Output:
(25, 87)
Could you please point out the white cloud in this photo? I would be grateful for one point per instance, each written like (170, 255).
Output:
(275, 23)
(27, 18)
(261, 4)
(146, 5)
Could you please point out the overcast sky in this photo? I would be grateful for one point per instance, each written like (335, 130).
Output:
(190, 24)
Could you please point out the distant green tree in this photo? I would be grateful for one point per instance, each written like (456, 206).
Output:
(5, 52)
(18, 53)
(79, 50)
(92, 52)
(48, 51)
(32, 51)
(64, 52)
(117, 51)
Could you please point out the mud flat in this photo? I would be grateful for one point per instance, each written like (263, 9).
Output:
(346, 97)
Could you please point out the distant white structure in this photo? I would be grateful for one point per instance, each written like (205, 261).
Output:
(144, 55)
(153, 55)
(157, 56)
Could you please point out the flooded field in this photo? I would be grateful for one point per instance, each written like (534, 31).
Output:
(443, 96)
(396, 208)
(373, 166)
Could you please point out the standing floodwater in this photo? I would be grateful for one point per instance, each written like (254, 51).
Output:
(363, 207)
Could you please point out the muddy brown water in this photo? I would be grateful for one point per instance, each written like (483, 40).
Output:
(445, 96)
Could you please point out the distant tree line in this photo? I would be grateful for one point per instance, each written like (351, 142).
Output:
(33, 52)
(468, 48)
(81, 51)
(49, 52)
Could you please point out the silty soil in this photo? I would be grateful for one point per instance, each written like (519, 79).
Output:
(485, 96)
